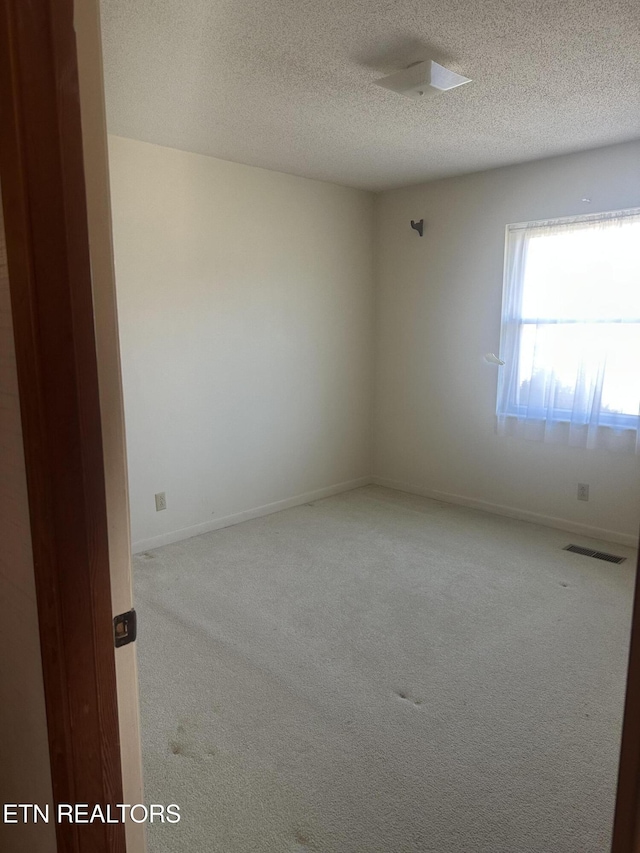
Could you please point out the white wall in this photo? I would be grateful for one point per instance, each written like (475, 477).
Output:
(246, 315)
(438, 312)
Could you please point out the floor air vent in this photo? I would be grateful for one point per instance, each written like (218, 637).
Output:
(599, 555)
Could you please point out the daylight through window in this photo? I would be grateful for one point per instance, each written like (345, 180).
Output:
(571, 329)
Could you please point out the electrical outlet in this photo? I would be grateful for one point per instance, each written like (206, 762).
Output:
(161, 501)
(583, 491)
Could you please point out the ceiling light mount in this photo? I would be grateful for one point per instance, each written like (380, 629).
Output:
(422, 78)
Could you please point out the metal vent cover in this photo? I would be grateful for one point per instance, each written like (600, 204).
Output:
(599, 555)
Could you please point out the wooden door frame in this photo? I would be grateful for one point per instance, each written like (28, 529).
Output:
(44, 201)
(43, 190)
(626, 828)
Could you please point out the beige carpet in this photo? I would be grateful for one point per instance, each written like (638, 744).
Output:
(382, 673)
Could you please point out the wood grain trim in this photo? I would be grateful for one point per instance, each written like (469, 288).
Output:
(626, 829)
(44, 202)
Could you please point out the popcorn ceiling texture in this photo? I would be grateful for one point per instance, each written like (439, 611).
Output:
(381, 673)
(288, 84)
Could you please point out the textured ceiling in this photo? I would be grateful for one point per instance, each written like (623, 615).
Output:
(288, 84)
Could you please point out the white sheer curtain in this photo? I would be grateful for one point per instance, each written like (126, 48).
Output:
(571, 332)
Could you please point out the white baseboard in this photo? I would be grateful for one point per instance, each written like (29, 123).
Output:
(238, 517)
(513, 512)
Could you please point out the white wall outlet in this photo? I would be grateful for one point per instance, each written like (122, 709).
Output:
(161, 501)
(583, 491)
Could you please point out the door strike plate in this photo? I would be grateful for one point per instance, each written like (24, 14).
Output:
(125, 628)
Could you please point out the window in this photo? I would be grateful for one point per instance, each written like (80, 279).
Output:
(571, 330)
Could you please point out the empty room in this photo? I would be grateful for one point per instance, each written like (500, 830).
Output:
(378, 292)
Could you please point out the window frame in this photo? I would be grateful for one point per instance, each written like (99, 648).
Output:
(618, 420)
